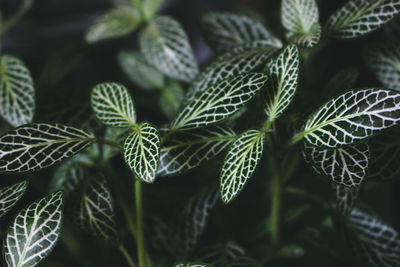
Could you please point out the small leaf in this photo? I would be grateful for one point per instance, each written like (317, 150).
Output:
(228, 30)
(9, 196)
(17, 95)
(117, 22)
(346, 165)
(113, 105)
(186, 150)
(142, 151)
(165, 45)
(219, 101)
(171, 99)
(34, 232)
(240, 163)
(345, 198)
(358, 17)
(151, 7)
(282, 82)
(39, 145)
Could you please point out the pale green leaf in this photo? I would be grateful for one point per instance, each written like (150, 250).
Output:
(10, 195)
(358, 17)
(39, 145)
(345, 198)
(151, 7)
(142, 151)
(219, 101)
(165, 45)
(171, 99)
(17, 95)
(240, 163)
(34, 232)
(307, 40)
(113, 105)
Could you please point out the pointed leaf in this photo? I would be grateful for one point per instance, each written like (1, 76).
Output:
(39, 145)
(142, 151)
(345, 198)
(240, 163)
(17, 95)
(34, 232)
(9, 196)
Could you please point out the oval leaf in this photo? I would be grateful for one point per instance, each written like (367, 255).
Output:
(9, 196)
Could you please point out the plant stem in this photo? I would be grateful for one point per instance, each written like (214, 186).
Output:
(108, 142)
(139, 223)
(127, 256)
(276, 205)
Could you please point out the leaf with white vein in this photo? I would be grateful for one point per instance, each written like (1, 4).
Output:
(113, 105)
(307, 40)
(345, 198)
(240, 163)
(384, 61)
(185, 150)
(17, 95)
(352, 117)
(345, 165)
(34, 232)
(358, 17)
(165, 45)
(39, 145)
(9, 196)
(219, 101)
(228, 30)
(192, 264)
(282, 82)
(142, 151)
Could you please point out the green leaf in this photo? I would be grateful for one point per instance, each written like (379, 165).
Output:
(171, 99)
(139, 71)
(345, 198)
(113, 105)
(165, 45)
(142, 151)
(352, 117)
(96, 211)
(346, 165)
(240, 163)
(151, 7)
(358, 17)
(17, 95)
(186, 150)
(384, 61)
(192, 264)
(10, 195)
(282, 82)
(39, 145)
(307, 40)
(343, 80)
(228, 30)
(219, 101)
(117, 22)
(117, 135)
(34, 232)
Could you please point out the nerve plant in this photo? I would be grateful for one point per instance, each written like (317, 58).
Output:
(350, 140)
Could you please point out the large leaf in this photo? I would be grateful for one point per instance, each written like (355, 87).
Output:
(228, 30)
(384, 61)
(240, 163)
(34, 232)
(39, 145)
(142, 151)
(17, 95)
(345, 198)
(352, 117)
(165, 45)
(282, 82)
(9, 196)
(219, 101)
(346, 165)
(358, 17)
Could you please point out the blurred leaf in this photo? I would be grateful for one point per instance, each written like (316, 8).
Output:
(291, 251)
(343, 80)
(10, 195)
(151, 7)
(117, 135)
(192, 264)
(171, 99)
(345, 198)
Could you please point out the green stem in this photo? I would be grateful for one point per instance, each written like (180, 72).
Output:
(297, 138)
(109, 142)
(276, 206)
(127, 256)
(17, 16)
(139, 223)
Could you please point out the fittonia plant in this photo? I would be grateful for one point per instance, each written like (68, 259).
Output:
(246, 105)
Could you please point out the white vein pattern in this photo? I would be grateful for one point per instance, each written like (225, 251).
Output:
(34, 232)
(220, 101)
(96, 213)
(10, 195)
(358, 17)
(345, 198)
(115, 23)
(142, 151)
(282, 82)
(352, 117)
(186, 150)
(240, 162)
(307, 40)
(39, 145)
(346, 165)
(17, 94)
(139, 71)
(384, 61)
(113, 105)
(228, 30)
(226, 254)
(165, 45)
(377, 244)
(192, 265)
